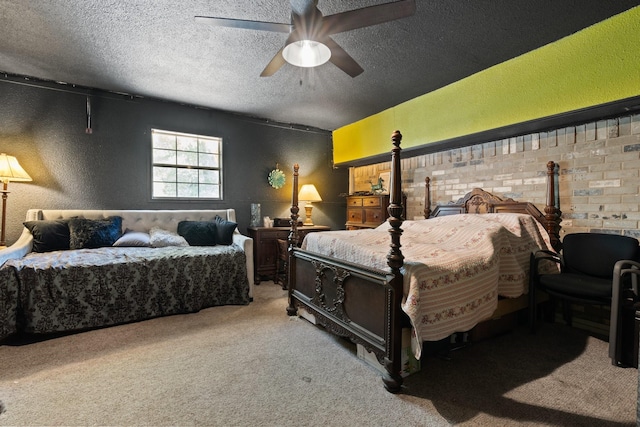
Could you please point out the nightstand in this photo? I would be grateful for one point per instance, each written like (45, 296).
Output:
(265, 247)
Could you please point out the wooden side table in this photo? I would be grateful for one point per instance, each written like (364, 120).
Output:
(265, 247)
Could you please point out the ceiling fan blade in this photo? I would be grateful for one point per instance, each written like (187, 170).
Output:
(274, 65)
(367, 16)
(303, 7)
(244, 24)
(341, 59)
(278, 60)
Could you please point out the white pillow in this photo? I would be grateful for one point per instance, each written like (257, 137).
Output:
(160, 238)
(133, 238)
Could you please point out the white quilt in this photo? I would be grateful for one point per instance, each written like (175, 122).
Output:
(455, 266)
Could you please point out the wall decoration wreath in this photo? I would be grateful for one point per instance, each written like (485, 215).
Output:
(276, 178)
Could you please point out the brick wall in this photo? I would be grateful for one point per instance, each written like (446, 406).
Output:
(598, 181)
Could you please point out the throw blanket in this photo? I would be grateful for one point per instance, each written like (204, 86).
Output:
(455, 266)
(87, 288)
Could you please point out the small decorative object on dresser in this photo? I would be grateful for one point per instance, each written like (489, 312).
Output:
(255, 214)
(382, 186)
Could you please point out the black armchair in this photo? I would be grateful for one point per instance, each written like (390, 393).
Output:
(586, 270)
(623, 333)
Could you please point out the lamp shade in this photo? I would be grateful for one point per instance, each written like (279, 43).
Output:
(308, 193)
(306, 53)
(10, 169)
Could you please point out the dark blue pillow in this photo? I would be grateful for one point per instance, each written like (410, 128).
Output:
(49, 235)
(94, 233)
(198, 233)
(224, 231)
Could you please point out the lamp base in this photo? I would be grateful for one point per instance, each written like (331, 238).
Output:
(307, 211)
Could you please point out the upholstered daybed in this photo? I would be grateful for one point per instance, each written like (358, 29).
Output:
(80, 269)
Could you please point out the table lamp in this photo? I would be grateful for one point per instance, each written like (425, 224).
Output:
(309, 194)
(10, 170)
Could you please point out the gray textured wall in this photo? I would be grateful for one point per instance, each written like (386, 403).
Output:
(43, 125)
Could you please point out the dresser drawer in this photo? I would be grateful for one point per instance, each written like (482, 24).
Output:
(374, 216)
(274, 235)
(354, 201)
(354, 215)
(371, 201)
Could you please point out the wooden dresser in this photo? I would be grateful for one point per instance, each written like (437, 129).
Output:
(368, 211)
(265, 247)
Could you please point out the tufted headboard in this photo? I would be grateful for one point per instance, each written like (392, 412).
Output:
(137, 220)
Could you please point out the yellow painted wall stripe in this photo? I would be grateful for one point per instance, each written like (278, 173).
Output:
(597, 65)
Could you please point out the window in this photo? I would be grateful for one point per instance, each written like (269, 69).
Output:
(186, 166)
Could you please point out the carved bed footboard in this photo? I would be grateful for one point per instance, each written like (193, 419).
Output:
(349, 301)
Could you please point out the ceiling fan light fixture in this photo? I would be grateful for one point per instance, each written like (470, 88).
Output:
(306, 53)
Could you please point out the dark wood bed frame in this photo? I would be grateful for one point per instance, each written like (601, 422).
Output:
(364, 304)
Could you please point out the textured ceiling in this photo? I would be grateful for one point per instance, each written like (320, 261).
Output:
(154, 48)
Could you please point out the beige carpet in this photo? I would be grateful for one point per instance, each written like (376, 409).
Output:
(254, 366)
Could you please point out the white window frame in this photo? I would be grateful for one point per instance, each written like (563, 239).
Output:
(164, 159)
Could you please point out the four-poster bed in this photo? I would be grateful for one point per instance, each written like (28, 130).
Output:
(370, 297)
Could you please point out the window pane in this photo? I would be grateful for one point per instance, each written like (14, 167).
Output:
(188, 190)
(164, 189)
(164, 156)
(209, 160)
(164, 174)
(186, 143)
(162, 140)
(208, 146)
(188, 175)
(210, 191)
(187, 158)
(209, 177)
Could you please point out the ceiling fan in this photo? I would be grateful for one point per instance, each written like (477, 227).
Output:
(309, 43)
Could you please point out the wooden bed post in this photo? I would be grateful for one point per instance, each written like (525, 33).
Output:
(293, 234)
(392, 379)
(293, 240)
(427, 198)
(551, 212)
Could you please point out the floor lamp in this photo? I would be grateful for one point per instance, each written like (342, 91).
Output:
(10, 170)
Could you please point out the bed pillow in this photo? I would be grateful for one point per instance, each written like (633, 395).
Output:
(224, 230)
(49, 235)
(94, 233)
(133, 238)
(160, 238)
(198, 233)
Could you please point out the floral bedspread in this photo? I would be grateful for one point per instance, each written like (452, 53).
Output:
(8, 302)
(87, 288)
(455, 266)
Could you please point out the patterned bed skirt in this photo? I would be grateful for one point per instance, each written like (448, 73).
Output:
(90, 288)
